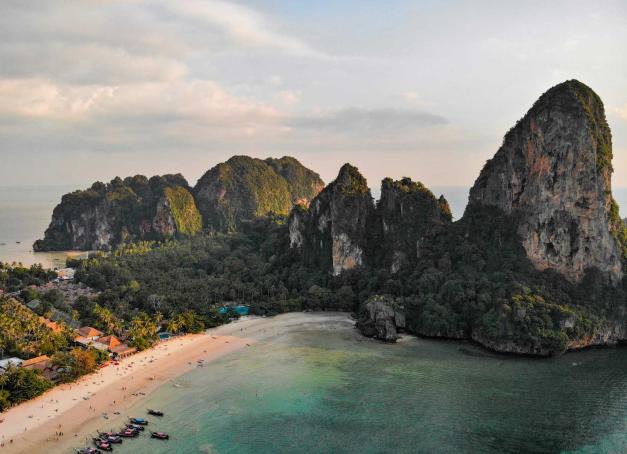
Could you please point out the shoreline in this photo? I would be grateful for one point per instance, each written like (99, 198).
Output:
(80, 408)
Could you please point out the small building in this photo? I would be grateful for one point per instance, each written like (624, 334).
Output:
(89, 332)
(66, 274)
(33, 304)
(8, 362)
(90, 343)
(122, 351)
(44, 364)
(110, 341)
(52, 326)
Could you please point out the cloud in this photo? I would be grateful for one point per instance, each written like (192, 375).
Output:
(620, 111)
(245, 25)
(369, 121)
(125, 41)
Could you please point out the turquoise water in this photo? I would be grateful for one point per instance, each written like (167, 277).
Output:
(329, 390)
(240, 310)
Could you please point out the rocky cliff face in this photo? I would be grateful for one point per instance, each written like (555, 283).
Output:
(243, 188)
(332, 232)
(406, 211)
(553, 176)
(135, 208)
(380, 317)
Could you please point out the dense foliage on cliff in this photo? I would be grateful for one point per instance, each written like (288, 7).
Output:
(243, 188)
(473, 279)
(122, 210)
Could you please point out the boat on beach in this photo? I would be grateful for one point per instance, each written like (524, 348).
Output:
(160, 435)
(136, 427)
(88, 451)
(155, 412)
(140, 421)
(129, 432)
(110, 437)
(104, 445)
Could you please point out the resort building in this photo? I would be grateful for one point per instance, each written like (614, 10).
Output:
(53, 326)
(90, 343)
(110, 341)
(44, 364)
(66, 274)
(117, 348)
(122, 351)
(89, 333)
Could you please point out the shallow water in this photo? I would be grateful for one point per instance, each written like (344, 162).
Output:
(327, 389)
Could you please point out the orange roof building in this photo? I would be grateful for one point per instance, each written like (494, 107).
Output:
(89, 332)
(35, 363)
(123, 350)
(53, 326)
(110, 341)
(42, 363)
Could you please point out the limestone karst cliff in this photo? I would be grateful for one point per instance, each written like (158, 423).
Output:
(406, 211)
(553, 176)
(136, 208)
(332, 233)
(243, 188)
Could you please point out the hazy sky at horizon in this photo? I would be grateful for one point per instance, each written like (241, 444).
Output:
(426, 89)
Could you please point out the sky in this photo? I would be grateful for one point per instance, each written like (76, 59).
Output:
(94, 89)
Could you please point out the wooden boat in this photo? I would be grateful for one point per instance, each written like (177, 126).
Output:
(155, 412)
(135, 427)
(128, 433)
(110, 437)
(100, 444)
(140, 421)
(160, 435)
(88, 451)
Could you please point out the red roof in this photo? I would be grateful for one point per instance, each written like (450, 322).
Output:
(88, 331)
(110, 341)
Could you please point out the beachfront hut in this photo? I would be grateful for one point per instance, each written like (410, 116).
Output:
(122, 351)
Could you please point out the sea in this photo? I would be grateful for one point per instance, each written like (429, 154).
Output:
(326, 389)
(25, 212)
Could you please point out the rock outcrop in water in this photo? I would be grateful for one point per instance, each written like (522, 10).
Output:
(243, 188)
(380, 317)
(332, 233)
(136, 208)
(553, 176)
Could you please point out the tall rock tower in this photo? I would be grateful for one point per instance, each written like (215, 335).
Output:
(553, 175)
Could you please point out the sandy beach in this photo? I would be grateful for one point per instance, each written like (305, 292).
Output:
(65, 415)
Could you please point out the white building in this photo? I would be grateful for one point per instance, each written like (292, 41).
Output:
(5, 363)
